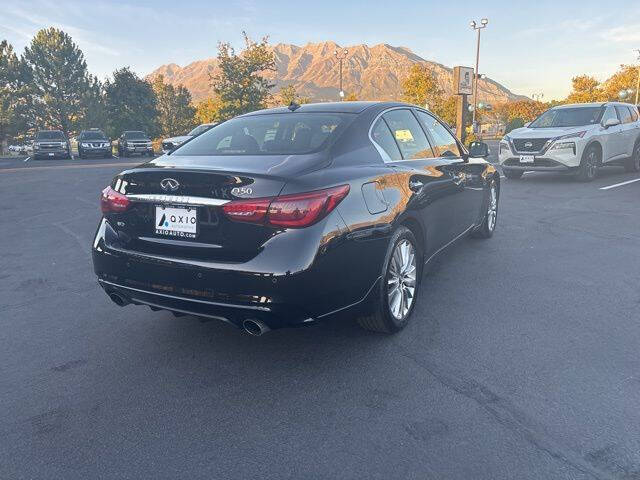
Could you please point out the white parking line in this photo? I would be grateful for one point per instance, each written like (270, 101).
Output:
(620, 184)
(27, 159)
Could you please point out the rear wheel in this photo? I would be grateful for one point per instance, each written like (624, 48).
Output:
(488, 225)
(588, 168)
(397, 295)
(513, 174)
(633, 163)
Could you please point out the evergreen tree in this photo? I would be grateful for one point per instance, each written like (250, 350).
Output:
(9, 81)
(175, 112)
(59, 80)
(130, 104)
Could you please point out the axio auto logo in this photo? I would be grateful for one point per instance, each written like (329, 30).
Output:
(169, 184)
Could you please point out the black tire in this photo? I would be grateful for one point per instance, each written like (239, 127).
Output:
(632, 163)
(513, 174)
(490, 218)
(382, 319)
(588, 169)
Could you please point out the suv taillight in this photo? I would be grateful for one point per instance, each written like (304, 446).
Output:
(112, 201)
(298, 210)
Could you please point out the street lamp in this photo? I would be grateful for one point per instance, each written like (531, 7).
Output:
(638, 82)
(537, 96)
(475, 26)
(341, 56)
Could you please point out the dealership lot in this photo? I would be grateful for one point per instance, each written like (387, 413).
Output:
(521, 362)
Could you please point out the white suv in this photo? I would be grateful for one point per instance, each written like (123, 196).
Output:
(579, 138)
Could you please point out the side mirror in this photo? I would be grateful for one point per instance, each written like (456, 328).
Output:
(478, 149)
(527, 124)
(611, 122)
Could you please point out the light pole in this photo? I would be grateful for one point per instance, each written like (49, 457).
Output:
(537, 96)
(475, 26)
(341, 56)
(638, 82)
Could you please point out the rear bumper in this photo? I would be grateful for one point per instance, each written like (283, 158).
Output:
(343, 276)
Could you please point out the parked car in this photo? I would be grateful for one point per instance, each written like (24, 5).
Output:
(51, 144)
(285, 216)
(94, 142)
(134, 142)
(577, 138)
(169, 144)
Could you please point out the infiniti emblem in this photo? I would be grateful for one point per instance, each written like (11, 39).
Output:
(528, 144)
(169, 184)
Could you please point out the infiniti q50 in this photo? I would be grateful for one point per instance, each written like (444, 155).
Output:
(283, 217)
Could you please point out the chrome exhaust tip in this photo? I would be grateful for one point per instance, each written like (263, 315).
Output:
(118, 299)
(254, 327)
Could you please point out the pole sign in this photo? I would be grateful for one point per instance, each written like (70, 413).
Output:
(463, 80)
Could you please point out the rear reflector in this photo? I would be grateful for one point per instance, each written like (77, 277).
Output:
(112, 201)
(298, 210)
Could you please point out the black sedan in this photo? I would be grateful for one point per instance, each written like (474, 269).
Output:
(285, 216)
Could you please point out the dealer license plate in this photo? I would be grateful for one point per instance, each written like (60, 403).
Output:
(176, 222)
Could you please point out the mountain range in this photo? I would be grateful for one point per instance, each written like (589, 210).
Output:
(370, 72)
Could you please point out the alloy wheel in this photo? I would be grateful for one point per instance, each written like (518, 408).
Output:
(492, 211)
(591, 164)
(401, 279)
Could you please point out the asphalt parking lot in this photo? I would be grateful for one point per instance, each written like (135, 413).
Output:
(521, 360)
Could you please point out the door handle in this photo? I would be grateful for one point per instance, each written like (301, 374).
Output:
(416, 185)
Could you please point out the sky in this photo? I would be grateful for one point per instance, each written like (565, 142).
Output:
(533, 46)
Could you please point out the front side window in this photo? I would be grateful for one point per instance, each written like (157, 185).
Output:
(269, 134)
(444, 143)
(409, 137)
(609, 113)
(568, 117)
(383, 137)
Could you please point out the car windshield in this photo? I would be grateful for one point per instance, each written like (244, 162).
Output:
(269, 134)
(135, 136)
(568, 117)
(50, 135)
(199, 130)
(93, 136)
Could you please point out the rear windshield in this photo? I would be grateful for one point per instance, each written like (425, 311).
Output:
(55, 135)
(568, 117)
(93, 136)
(135, 136)
(270, 134)
(200, 130)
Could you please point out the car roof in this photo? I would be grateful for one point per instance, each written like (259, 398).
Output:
(329, 107)
(593, 104)
(50, 131)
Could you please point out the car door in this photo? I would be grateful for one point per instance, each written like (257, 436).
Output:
(611, 138)
(429, 182)
(628, 131)
(466, 176)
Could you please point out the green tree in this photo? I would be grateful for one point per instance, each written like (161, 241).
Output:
(421, 87)
(9, 88)
(175, 112)
(288, 94)
(130, 104)
(585, 89)
(240, 83)
(208, 111)
(95, 111)
(59, 79)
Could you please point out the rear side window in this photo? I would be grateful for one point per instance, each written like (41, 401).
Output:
(634, 113)
(406, 131)
(624, 113)
(269, 134)
(444, 143)
(382, 136)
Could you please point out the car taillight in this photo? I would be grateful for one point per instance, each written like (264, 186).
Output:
(289, 211)
(112, 201)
